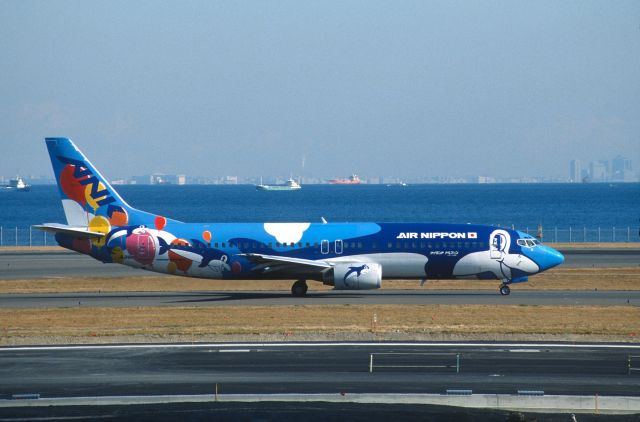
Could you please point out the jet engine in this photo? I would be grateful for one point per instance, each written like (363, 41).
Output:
(355, 276)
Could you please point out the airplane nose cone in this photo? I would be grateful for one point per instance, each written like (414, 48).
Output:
(551, 258)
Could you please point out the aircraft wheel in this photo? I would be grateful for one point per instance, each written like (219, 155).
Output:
(504, 290)
(299, 288)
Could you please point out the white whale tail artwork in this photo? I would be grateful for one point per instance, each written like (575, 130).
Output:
(347, 256)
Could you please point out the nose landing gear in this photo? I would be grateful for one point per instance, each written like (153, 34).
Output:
(504, 289)
(299, 288)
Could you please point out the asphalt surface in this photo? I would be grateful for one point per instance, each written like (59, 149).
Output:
(334, 297)
(38, 264)
(317, 368)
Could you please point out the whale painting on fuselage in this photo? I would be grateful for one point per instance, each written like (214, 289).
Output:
(348, 256)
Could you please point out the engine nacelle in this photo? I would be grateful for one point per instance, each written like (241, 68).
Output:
(355, 276)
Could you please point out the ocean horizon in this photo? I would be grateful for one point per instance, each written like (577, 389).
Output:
(613, 209)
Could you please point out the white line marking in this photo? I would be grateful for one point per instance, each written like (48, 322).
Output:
(524, 351)
(312, 345)
(234, 350)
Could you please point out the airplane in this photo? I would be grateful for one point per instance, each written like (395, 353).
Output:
(347, 256)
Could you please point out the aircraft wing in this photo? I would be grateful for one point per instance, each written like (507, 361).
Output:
(271, 263)
(81, 232)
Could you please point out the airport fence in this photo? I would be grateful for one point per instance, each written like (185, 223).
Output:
(28, 236)
(584, 234)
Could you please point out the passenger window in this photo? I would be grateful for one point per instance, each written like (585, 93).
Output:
(389, 245)
(374, 245)
(307, 244)
(413, 245)
(359, 245)
(277, 244)
(215, 245)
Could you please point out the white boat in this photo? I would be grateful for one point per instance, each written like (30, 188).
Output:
(18, 184)
(288, 185)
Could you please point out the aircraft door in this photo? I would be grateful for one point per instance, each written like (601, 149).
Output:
(338, 246)
(498, 244)
(324, 247)
(145, 247)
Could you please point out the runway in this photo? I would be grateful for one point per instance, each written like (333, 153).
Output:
(37, 264)
(319, 368)
(334, 297)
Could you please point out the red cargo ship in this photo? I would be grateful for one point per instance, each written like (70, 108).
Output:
(353, 180)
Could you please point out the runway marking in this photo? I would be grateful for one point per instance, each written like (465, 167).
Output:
(524, 351)
(234, 350)
(311, 345)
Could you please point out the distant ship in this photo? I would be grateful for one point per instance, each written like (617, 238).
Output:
(288, 185)
(18, 184)
(353, 180)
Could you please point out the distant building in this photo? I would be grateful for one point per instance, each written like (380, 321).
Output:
(181, 179)
(575, 171)
(621, 170)
(486, 179)
(599, 171)
(230, 180)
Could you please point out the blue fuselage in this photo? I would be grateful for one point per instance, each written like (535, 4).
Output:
(404, 250)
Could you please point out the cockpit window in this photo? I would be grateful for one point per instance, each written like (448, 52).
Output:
(528, 242)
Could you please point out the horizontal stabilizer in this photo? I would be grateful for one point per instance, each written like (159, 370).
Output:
(81, 232)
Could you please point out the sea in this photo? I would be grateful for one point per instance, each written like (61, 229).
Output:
(560, 212)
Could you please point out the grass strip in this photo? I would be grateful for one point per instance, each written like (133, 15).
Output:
(620, 322)
(555, 279)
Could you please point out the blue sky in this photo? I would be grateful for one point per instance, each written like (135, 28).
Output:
(404, 88)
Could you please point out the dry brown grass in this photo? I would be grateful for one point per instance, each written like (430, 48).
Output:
(32, 249)
(476, 320)
(555, 279)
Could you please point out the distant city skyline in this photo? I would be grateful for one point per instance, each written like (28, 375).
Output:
(413, 90)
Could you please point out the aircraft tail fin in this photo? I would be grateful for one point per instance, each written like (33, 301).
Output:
(87, 197)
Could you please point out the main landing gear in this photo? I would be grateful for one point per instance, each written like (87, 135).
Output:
(504, 289)
(299, 288)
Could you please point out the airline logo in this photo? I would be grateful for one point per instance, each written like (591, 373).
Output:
(437, 235)
(81, 185)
